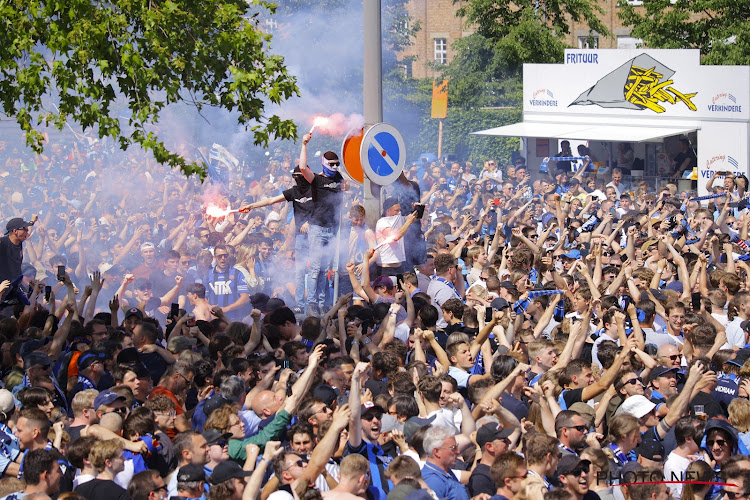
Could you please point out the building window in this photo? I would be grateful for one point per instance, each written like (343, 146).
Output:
(407, 68)
(628, 42)
(441, 50)
(588, 42)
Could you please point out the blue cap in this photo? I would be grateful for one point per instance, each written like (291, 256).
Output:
(573, 254)
(105, 398)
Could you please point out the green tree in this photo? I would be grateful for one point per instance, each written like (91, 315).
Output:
(485, 74)
(719, 28)
(92, 62)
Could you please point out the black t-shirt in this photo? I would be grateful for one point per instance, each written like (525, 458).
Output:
(327, 198)
(11, 258)
(302, 203)
(572, 396)
(681, 158)
(96, 489)
(514, 405)
(481, 481)
(710, 406)
(161, 283)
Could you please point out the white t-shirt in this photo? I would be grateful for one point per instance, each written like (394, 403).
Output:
(674, 470)
(386, 229)
(735, 333)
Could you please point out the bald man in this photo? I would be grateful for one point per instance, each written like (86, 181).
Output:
(266, 404)
(669, 355)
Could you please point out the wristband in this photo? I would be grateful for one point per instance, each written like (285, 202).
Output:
(355, 342)
(263, 459)
(368, 340)
(659, 271)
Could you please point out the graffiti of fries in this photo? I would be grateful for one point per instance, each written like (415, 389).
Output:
(644, 88)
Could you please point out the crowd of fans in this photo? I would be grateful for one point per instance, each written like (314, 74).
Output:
(496, 333)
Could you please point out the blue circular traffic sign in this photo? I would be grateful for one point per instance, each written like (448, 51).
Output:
(383, 153)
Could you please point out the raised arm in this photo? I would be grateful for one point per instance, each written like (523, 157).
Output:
(355, 402)
(324, 450)
(306, 172)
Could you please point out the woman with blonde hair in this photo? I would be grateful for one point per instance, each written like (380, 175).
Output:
(739, 417)
(697, 471)
(246, 265)
(476, 258)
(624, 436)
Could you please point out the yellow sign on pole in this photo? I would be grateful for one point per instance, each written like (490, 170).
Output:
(439, 99)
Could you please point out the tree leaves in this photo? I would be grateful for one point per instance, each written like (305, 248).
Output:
(94, 62)
(719, 28)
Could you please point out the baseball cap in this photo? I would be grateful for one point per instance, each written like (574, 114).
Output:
(450, 238)
(389, 423)
(661, 370)
(89, 358)
(147, 245)
(213, 436)
(740, 357)
(226, 471)
(191, 472)
(385, 281)
(32, 345)
(389, 202)
(16, 223)
(573, 254)
(499, 303)
(6, 402)
(414, 423)
(489, 432)
(569, 463)
(658, 294)
(509, 285)
(636, 405)
(586, 412)
(180, 343)
(370, 406)
(105, 398)
(325, 393)
(651, 449)
(37, 358)
(134, 311)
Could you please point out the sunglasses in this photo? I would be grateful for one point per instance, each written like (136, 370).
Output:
(298, 463)
(370, 416)
(720, 442)
(579, 428)
(222, 256)
(577, 472)
(221, 443)
(122, 410)
(633, 381)
(674, 357)
(333, 164)
(731, 495)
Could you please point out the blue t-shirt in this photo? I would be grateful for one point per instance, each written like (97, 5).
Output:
(444, 484)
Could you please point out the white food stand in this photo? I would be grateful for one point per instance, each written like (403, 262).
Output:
(641, 97)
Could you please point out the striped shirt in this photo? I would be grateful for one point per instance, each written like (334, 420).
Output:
(225, 288)
(378, 459)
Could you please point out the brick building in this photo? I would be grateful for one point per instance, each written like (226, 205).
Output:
(440, 28)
